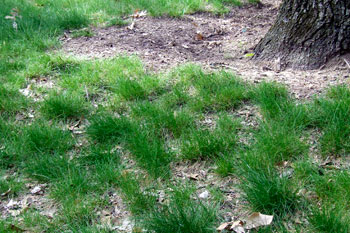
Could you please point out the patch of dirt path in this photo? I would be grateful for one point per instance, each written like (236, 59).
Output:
(211, 41)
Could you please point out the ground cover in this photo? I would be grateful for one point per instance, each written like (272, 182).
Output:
(109, 145)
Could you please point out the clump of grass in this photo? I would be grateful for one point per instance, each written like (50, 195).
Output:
(137, 89)
(330, 219)
(333, 187)
(332, 116)
(218, 91)
(226, 164)
(48, 167)
(138, 200)
(150, 151)
(270, 97)
(204, 143)
(74, 183)
(60, 64)
(182, 214)
(268, 192)
(105, 127)
(163, 119)
(305, 171)
(64, 105)
(178, 97)
(279, 142)
(11, 101)
(11, 185)
(41, 137)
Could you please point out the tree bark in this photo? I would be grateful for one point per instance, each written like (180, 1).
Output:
(307, 33)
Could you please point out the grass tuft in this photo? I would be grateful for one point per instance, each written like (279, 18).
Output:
(182, 214)
(64, 105)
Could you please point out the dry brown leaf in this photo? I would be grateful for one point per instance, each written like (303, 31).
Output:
(257, 219)
(138, 14)
(199, 36)
(224, 226)
(237, 227)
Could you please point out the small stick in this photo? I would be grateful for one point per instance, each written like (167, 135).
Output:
(347, 62)
(87, 93)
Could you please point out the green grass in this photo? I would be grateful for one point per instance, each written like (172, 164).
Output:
(11, 186)
(137, 199)
(330, 220)
(204, 143)
(106, 127)
(163, 119)
(332, 116)
(11, 100)
(150, 152)
(279, 142)
(268, 193)
(182, 214)
(64, 105)
(140, 124)
(43, 138)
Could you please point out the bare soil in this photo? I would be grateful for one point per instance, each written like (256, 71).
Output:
(214, 42)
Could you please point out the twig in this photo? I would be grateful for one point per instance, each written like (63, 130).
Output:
(347, 62)
(87, 93)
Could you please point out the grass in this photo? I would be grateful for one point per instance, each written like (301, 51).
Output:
(64, 105)
(182, 214)
(330, 220)
(332, 116)
(268, 192)
(106, 127)
(137, 125)
(11, 100)
(43, 138)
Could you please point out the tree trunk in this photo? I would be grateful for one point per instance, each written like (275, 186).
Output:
(307, 33)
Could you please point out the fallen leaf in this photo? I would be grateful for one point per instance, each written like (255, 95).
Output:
(36, 190)
(224, 226)
(199, 36)
(237, 227)
(249, 55)
(139, 14)
(12, 204)
(204, 195)
(257, 219)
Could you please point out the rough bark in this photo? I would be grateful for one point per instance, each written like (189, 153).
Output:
(307, 33)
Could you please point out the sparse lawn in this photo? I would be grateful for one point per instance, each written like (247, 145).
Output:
(110, 127)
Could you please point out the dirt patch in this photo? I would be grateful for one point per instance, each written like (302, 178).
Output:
(213, 42)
